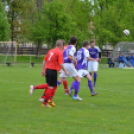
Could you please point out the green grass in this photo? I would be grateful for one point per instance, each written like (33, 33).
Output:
(110, 112)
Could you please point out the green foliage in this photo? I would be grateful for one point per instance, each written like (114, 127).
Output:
(51, 23)
(4, 26)
(111, 18)
(17, 14)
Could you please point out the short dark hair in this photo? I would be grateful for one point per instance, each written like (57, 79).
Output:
(92, 41)
(85, 43)
(73, 40)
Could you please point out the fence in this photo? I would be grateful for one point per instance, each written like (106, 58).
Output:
(23, 50)
(105, 53)
(33, 50)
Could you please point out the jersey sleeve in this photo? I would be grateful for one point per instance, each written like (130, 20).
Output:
(72, 51)
(45, 58)
(60, 57)
(86, 53)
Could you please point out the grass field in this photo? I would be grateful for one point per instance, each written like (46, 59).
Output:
(110, 112)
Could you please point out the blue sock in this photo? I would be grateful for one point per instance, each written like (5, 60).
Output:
(77, 87)
(73, 85)
(90, 85)
(58, 83)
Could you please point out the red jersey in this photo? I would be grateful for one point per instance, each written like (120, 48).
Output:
(53, 59)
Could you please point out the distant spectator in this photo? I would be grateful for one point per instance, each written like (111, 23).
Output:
(110, 61)
(128, 57)
(132, 60)
(122, 59)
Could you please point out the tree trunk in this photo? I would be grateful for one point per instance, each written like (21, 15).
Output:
(12, 37)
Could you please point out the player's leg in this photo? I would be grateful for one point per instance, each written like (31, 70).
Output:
(95, 69)
(63, 77)
(50, 101)
(90, 85)
(52, 82)
(90, 67)
(90, 74)
(33, 88)
(65, 83)
(75, 84)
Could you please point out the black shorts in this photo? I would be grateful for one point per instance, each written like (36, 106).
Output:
(51, 77)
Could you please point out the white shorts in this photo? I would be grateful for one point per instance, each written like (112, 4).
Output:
(71, 69)
(93, 66)
(83, 73)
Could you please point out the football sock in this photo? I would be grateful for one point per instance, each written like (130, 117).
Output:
(53, 92)
(47, 95)
(90, 86)
(73, 85)
(43, 96)
(77, 86)
(58, 83)
(42, 86)
(65, 83)
(95, 77)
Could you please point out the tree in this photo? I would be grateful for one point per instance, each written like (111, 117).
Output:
(54, 23)
(17, 14)
(80, 11)
(111, 18)
(4, 26)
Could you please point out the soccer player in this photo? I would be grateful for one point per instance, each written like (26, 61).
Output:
(69, 64)
(94, 53)
(53, 61)
(65, 83)
(45, 86)
(82, 64)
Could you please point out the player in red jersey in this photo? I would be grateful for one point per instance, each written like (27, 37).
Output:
(45, 86)
(52, 63)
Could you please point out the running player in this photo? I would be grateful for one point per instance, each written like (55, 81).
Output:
(45, 86)
(69, 64)
(82, 64)
(52, 63)
(65, 83)
(94, 53)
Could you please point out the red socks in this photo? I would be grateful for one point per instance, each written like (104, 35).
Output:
(43, 96)
(53, 91)
(42, 86)
(65, 86)
(47, 95)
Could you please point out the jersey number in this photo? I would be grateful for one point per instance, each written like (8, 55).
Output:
(51, 54)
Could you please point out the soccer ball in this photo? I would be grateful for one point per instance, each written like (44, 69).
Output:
(126, 32)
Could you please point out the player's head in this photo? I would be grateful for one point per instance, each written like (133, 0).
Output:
(73, 40)
(92, 43)
(85, 44)
(59, 44)
(121, 54)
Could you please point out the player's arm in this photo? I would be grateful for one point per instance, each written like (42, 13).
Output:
(71, 54)
(89, 58)
(43, 66)
(63, 68)
(72, 59)
(92, 59)
(60, 62)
